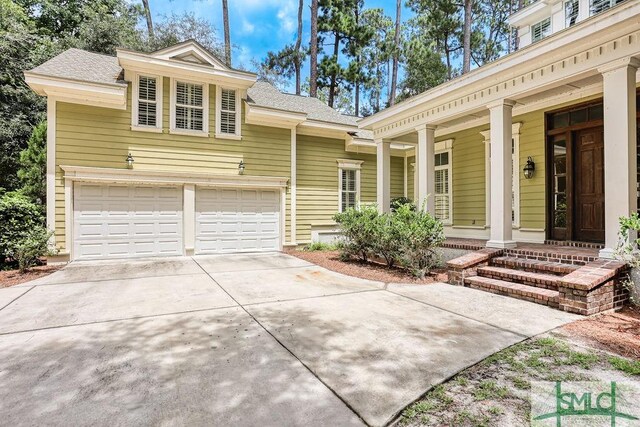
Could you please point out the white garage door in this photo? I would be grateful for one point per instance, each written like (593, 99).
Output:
(126, 221)
(237, 220)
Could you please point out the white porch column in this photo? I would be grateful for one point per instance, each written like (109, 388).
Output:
(425, 164)
(501, 174)
(294, 188)
(383, 165)
(620, 199)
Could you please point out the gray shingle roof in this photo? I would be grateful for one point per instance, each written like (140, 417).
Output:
(264, 94)
(80, 65)
(77, 64)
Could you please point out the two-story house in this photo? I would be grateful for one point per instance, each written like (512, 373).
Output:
(174, 153)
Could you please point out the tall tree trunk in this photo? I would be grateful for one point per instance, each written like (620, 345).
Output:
(147, 15)
(396, 52)
(334, 76)
(358, 61)
(297, 64)
(357, 106)
(313, 54)
(466, 43)
(227, 36)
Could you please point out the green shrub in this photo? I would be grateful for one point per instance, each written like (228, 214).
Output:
(23, 236)
(386, 239)
(406, 236)
(28, 250)
(420, 234)
(401, 201)
(358, 227)
(320, 246)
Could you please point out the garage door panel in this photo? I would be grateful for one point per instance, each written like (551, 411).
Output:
(237, 220)
(114, 221)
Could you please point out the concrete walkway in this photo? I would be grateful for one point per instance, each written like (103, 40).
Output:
(239, 340)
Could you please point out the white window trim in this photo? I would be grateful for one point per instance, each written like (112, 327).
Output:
(448, 167)
(515, 134)
(346, 164)
(533, 40)
(134, 104)
(440, 147)
(205, 109)
(238, 134)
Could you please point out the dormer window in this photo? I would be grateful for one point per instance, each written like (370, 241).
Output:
(228, 113)
(540, 30)
(147, 103)
(189, 108)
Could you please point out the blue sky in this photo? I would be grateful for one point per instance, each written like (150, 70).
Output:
(257, 26)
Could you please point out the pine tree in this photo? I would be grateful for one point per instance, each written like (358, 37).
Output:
(313, 51)
(33, 165)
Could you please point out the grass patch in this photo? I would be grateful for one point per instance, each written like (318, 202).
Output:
(630, 367)
(520, 383)
(490, 390)
(319, 246)
(467, 418)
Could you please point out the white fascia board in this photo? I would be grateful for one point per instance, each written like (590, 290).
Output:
(264, 116)
(180, 69)
(73, 91)
(368, 146)
(315, 124)
(531, 13)
(113, 175)
(598, 29)
(180, 49)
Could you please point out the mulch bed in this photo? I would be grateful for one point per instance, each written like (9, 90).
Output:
(617, 332)
(370, 270)
(14, 277)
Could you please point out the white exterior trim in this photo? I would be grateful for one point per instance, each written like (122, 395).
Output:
(293, 189)
(134, 103)
(238, 132)
(51, 165)
(263, 116)
(446, 148)
(77, 92)
(83, 173)
(205, 109)
(347, 164)
(189, 218)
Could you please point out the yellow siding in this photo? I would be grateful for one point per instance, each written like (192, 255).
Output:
(317, 188)
(102, 137)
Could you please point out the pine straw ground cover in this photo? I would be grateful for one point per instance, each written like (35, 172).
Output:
(330, 259)
(495, 392)
(14, 277)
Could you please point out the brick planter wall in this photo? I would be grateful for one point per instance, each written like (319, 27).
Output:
(467, 265)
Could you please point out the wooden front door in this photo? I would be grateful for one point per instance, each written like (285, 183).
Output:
(589, 185)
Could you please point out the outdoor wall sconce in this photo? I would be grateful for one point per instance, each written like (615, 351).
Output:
(241, 167)
(130, 161)
(529, 168)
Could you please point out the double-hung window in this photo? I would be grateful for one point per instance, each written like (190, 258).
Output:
(228, 113)
(147, 103)
(540, 30)
(348, 184)
(442, 197)
(571, 10)
(189, 108)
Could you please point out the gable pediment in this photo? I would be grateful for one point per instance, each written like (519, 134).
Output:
(190, 51)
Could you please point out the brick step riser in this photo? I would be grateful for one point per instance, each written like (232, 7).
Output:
(527, 269)
(564, 259)
(553, 303)
(521, 280)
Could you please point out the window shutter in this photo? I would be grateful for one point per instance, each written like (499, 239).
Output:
(147, 101)
(571, 9)
(228, 111)
(541, 30)
(189, 106)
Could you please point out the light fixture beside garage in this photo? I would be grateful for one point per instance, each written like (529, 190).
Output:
(241, 167)
(529, 168)
(130, 161)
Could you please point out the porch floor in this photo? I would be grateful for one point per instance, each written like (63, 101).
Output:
(552, 251)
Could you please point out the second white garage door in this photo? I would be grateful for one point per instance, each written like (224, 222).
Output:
(237, 220)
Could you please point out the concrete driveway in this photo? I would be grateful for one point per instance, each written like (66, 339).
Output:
(264, 339)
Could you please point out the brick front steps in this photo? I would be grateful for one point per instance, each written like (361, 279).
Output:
(529, 293)
(583, 285)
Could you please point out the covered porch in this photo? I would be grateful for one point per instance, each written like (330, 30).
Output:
(576, 186)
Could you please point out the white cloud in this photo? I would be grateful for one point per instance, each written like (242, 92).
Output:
(247, 27)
